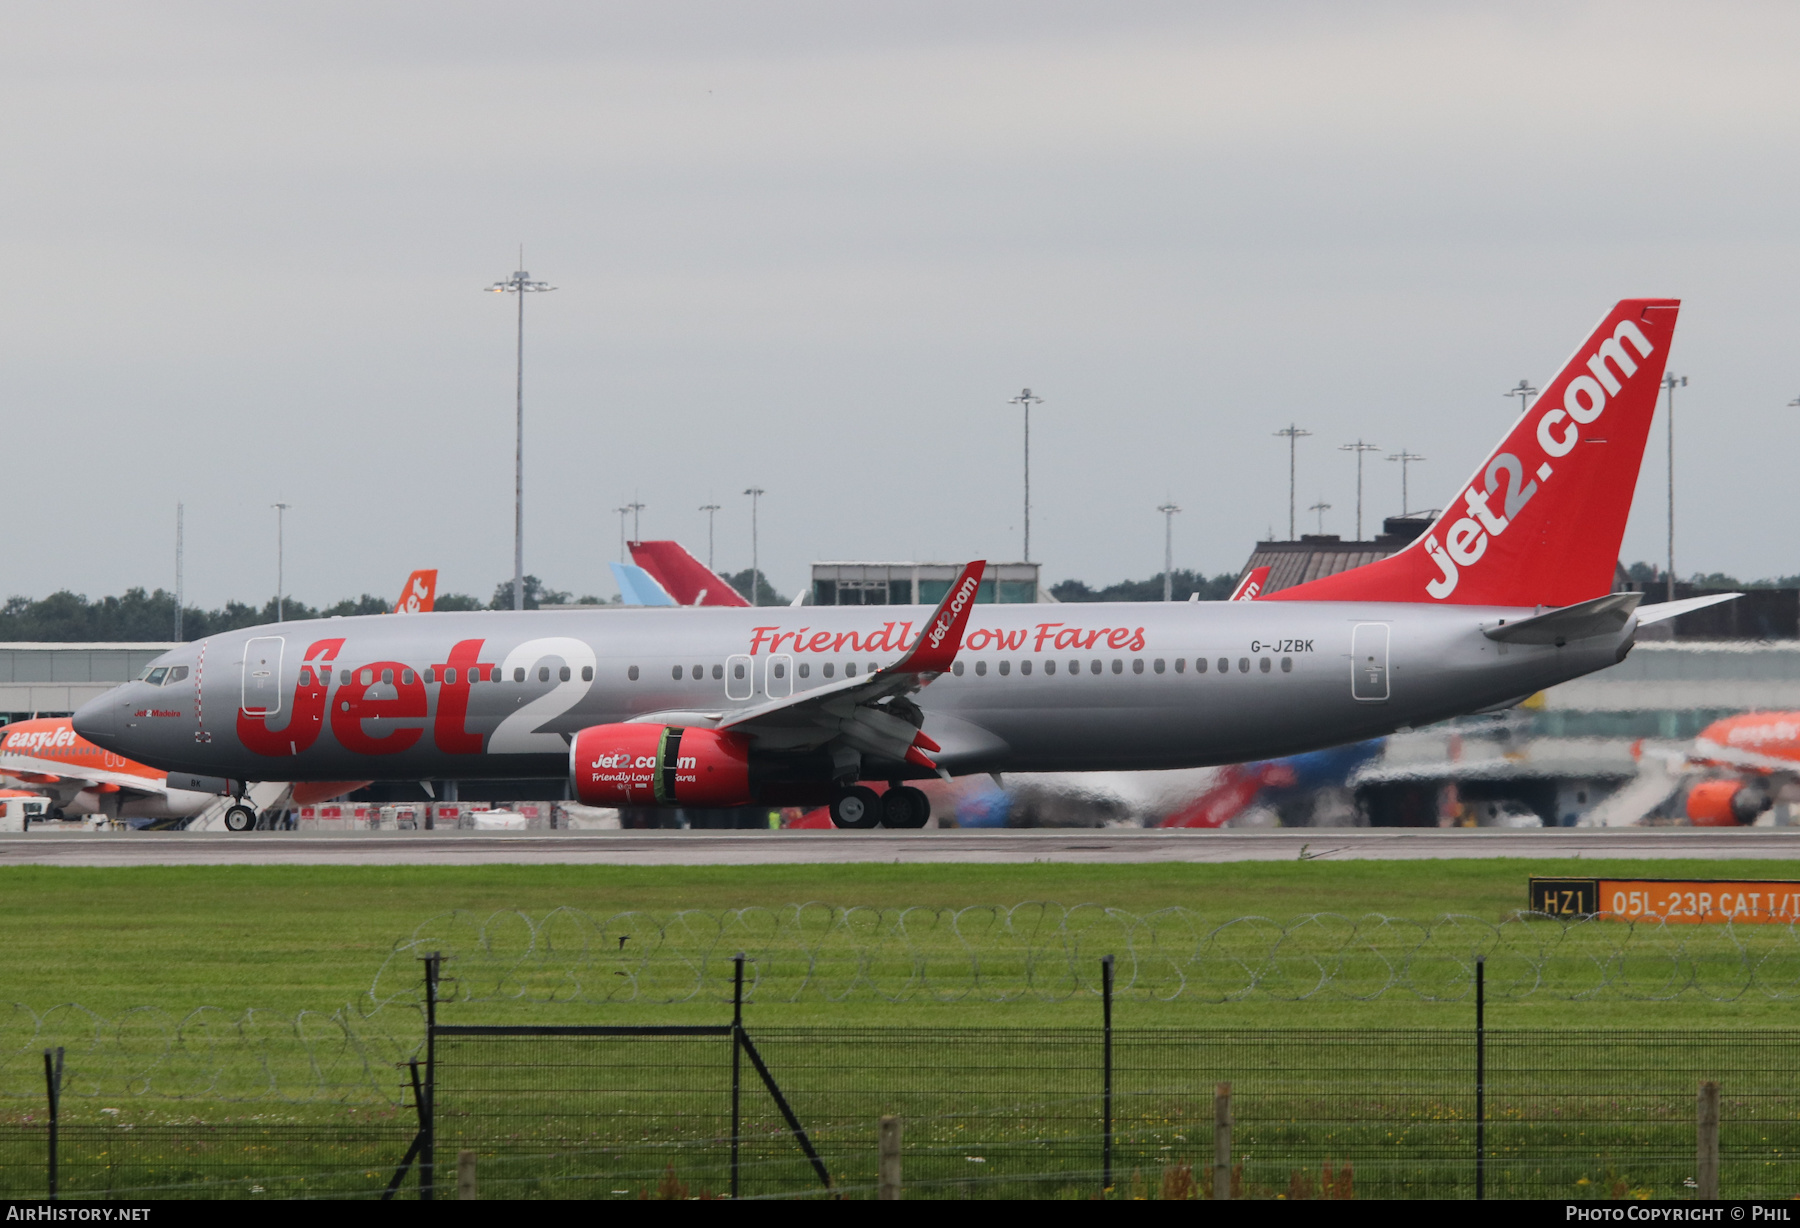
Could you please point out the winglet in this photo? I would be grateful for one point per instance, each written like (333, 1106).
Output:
(1251, 586)
(936, 646)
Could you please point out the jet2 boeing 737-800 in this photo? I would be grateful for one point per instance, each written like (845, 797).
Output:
(1507, 593)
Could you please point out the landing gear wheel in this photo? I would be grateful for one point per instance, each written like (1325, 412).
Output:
(856, 807)
(904, 806)
(240, 818)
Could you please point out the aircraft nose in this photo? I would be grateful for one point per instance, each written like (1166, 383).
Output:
(98, 720)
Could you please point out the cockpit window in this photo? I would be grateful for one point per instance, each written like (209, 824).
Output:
(176, 674)
(155, 676)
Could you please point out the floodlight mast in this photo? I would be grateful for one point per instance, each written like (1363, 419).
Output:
(755, 493)
(1524, 392)
(1359, 447)
(1671, 383)
(1292, 433)
(1168, 510)
(709, 509)
(1321, 508)
(178, 563)
(519, 283)
(1405, 458)
(280, 587)
(1027, 400)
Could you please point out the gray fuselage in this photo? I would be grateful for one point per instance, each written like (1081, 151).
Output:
(1073, 687)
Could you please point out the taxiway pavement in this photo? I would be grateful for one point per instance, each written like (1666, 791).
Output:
(696, 848)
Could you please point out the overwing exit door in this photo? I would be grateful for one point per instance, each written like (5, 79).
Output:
(1369, 662)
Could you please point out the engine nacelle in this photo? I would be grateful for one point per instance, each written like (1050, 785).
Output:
(658, 765)
(1725, 803)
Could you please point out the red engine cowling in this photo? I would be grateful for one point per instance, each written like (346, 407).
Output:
(1724, 803)
(657, 765)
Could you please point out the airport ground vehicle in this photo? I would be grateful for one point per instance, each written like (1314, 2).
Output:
(1507, 593)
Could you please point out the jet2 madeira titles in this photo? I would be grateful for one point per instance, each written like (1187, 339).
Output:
(1507, 593)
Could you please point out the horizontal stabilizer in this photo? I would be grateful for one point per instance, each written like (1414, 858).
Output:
(1664, 610)
(1602, 616)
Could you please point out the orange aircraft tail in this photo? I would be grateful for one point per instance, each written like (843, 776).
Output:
(419, 594)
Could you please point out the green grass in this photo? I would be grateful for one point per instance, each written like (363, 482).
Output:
(286, 939)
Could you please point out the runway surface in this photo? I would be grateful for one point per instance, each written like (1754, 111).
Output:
(696, 848)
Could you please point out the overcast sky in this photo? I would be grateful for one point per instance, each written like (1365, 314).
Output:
(816, 248)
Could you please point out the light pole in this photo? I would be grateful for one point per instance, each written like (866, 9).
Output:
(519, 283)
(280, 587)
(709, 509)
(1292, 434)
(1321, 508)
(1027, 400)
(755, 493)
(1405, 458)
(1168, 510)
(1524, 392)
(1671, 383)
(635, 507)
(1359, 447)
(623, 512)
(178, 562)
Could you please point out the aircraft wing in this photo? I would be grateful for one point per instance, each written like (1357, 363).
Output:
(24, 767)
(868, 713)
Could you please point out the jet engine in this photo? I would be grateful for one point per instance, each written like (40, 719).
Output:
(659, 765)
(1726, 803)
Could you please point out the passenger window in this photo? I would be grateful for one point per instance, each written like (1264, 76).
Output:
(306, 675)
(519, 673)
(676, 673)
(450, 676)
(562, 675)
(981, 669)
(1224, 666)
(543, 673)
(1094, 667)
(1025, 667)
(1264, 665)
(1137, 665)
(344, 677)
(1050, 666)
(430, 675)
(849, 669)
(368, 677)
(1075, 667)
(1181, 665)
(176, 674)
(830, 668)
(1118, 666)
(699, 672)
(737, 671)
(874, 666)
(157, 675)
(632, 673)
(1243, 665)
(1199, 665)
(406, 676)
(1287, 665)
(1005, 668)
(1158, 666)
(805, 670)
(387, 677)
(587, 673)
(780, 670)
(718, 672)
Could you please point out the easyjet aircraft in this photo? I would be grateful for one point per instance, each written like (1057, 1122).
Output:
(1762, 750)
(1506, 594)
(49, 757)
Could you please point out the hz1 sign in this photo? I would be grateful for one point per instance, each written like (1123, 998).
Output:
(1687, 901)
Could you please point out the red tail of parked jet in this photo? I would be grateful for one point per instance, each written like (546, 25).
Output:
(1541, 521)
(419, 594)
(1251, 586)
(683, 576)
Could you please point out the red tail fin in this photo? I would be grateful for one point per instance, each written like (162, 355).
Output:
(1541, 521)
(419, 594)
(685, 577)
(1251, 586)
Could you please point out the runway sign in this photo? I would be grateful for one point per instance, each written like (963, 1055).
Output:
(1684, 901)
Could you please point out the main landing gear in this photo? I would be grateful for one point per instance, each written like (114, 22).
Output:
(862, 808)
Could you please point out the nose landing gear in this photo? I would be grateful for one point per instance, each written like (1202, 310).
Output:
(240, 818)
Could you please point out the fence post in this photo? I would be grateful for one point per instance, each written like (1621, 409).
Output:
(1222, 1142)
(465, 1176)
(428, 1145)
(53, 1072)
(1480, 1077)
(889, 1180)
(1106, 1125)
(1706, 1175)
(737, 1050)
